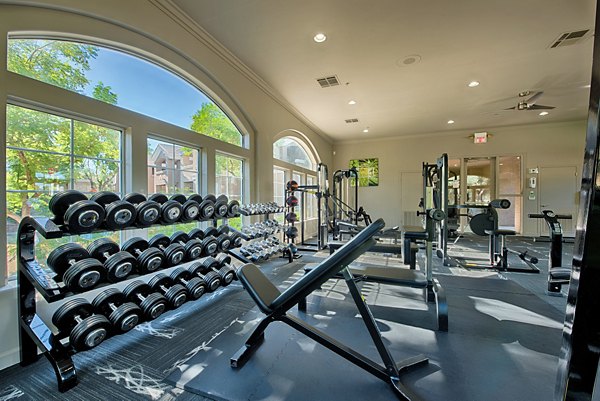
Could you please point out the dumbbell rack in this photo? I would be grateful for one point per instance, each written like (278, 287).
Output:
(288, 224)
(34, 334)
(235, 252)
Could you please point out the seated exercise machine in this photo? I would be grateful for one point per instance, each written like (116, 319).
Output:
(275, 305)
(557, 275)
(486, 223)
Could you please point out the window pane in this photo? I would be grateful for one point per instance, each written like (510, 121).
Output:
(31, 129)
(186, 158)
(160, 180)
(454, 182)
(185, 182)
(229, 177)
(36, 171)
(510, 218)
(96, 141)
(121, 79)
(289, 149)
(480, 181)
(509, 175)
(172, 168)
(92, 175)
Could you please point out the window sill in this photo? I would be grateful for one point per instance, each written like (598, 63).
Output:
(10, 286)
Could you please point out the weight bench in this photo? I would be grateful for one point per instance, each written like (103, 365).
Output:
(377, 247)
(275, 305)
(397, 276)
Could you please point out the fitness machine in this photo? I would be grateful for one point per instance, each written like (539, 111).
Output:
(557, 275)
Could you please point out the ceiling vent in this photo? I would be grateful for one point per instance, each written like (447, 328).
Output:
(570, 38)
(326, 82)
(351, 120)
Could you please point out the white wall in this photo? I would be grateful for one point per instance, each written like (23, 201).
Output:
(147, 26)
(549, 144)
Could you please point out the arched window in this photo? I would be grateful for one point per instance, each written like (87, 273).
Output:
(123, 80)
(292, 150)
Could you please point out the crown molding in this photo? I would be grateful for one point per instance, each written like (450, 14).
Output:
(175, 13)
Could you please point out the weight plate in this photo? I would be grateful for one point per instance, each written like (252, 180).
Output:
(223, 229)
(196, 233)
(223, 198)
(61, 201)
(211, 231)
(58, 259)
(207, 209)
(209, 246)
(84, 216)
(233, 209)
(64, 317)
(211, 198)
(171, 211)
(160, 241)
(191, 211)
(125, 317)
(196, 198)
(196, 287)
(148, 213)
(480, 223)
(119, 266)
(134, 198)
(89, 333)
(223, 259)
(223, 242)
(104, 198)
(154, 305)
(209, 263)
(99, 247)
(83, 275)
(160, 198)
(174, 254)
(193, 249)
(176, 295)
(119, 215)
(159, 280)
(178, 198)
(133, 244)
(236, 240)
(102, 301)
(179, 274)
(179, 236)
(213, 281)
(195, 267)
(151, 260)
(221, 209)
(136, 288)
(227, 274)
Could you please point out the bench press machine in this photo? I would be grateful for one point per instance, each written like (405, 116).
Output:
(275, 305)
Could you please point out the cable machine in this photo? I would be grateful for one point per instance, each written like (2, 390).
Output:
(345, 200)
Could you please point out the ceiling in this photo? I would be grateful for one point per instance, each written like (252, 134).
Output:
(505, 45)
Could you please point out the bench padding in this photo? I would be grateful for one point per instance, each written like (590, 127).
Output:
(384, 275)
(377, 247)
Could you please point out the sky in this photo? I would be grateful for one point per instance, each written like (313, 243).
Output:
(145, 88)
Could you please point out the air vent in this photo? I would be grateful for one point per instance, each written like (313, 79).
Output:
(327, 82)
(570, 38)
(351, 120)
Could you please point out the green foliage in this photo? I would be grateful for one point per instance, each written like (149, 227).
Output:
(104, 93)
(368, 171)
(211, 121)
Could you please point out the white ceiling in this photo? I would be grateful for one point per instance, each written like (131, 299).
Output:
(504, 44)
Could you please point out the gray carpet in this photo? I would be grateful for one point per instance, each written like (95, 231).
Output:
(501, 337)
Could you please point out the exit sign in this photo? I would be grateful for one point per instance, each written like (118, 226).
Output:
(480, 137)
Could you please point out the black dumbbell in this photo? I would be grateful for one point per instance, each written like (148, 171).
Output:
(118, 213)
(113, 304)
(221, 206)
(170, 210)
(75, 267)
(175, 293)
(117, 263)
(233, 209)
(150, 302)
(223, 229)
(210, 246)
(223, 259)
(148, 259)
(147, 211)
(85, 329)
(207, 205)
(226, 273)
(223, 243)
(76, 211)
(196, 233)
(191, 246)
(173, 252)
(211, 231)
(236, 239)
(194, 285)
(212, 279)
(191, 208)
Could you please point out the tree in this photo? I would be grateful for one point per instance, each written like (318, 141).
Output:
(211, 121)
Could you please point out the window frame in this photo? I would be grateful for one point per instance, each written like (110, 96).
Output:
(199, 162)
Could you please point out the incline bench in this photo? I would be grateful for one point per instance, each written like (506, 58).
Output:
(275, 305)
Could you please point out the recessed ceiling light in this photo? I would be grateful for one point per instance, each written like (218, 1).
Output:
(366, 130)
(544, 113)
(352, 102)
(473, 84)
(450, 121)
(320, 37)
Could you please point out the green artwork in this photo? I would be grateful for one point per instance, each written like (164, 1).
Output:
(368, 171)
